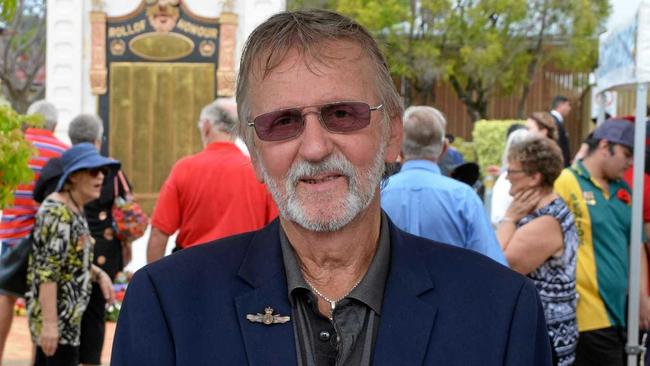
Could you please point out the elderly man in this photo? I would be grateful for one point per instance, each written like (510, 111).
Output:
(422, 201)
(17, 221)
(333, 281)
(212, 194)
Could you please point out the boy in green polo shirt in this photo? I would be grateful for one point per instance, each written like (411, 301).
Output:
(601, 204)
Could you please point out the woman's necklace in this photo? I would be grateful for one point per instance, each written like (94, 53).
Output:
(79, 210)
(333, 302)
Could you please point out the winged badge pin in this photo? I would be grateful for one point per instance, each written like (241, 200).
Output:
(268, 318)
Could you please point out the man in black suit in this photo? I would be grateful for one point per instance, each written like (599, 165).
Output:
(560, 109)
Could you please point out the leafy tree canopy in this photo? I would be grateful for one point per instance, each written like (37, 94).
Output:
(480, 46)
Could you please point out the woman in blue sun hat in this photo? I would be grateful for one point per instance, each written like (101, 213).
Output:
(60, 270)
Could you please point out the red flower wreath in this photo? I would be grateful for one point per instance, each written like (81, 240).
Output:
(624, 196)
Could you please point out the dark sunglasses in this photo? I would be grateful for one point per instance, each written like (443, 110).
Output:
(338, 117)
(94, 172)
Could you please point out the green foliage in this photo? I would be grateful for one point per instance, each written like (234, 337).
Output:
(15, 152)
(7, 9)
(481, 47)
(490, 140)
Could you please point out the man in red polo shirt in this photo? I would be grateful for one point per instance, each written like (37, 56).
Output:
(212, 194)
(17, 221)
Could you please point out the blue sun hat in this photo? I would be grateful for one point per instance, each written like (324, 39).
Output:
(83, 156)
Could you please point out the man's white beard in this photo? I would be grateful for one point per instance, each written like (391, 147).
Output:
(358, 198)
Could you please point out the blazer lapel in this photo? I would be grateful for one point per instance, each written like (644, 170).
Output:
(406, 320)
(263, 269)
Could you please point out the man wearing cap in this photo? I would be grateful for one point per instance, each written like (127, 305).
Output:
(601, 204)
(422, 201)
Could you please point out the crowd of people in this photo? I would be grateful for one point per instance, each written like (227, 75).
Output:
(300, 248)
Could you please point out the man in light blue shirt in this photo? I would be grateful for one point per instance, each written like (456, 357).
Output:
(423, 202)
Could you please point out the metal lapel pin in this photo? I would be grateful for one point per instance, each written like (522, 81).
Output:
(268, 318)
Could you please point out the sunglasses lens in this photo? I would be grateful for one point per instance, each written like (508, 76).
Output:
(95, 171)
(278, 125)
(346, 117)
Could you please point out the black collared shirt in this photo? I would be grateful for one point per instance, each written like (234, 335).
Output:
(349, 338)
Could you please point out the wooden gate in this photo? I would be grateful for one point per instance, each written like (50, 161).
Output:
(153, 114)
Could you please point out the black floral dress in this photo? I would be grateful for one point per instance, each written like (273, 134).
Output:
(62, 253)
(555, 281)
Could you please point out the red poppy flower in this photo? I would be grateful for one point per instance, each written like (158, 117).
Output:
(624, 196)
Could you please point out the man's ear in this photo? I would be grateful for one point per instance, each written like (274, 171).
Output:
(603, 145)
(445, 148)
(394, 145)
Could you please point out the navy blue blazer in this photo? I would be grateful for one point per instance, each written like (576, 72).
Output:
(443, 305)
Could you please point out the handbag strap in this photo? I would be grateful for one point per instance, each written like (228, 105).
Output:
(120, 180)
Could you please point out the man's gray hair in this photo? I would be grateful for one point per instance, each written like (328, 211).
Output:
(85, 128)
(424, 133)
(307, 32)
(47, 110)
(221, 113)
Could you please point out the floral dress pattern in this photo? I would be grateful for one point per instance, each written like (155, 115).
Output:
(62, 252)
(555, 281)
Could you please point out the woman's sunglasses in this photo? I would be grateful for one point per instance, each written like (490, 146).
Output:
(94, 172)
(338, 117)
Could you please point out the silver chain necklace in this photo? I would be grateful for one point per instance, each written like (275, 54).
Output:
(333, 302)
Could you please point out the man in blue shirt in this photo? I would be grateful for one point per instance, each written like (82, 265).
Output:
(423, 202)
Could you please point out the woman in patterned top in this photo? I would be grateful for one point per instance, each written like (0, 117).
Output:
(60, 267)
(539, 239)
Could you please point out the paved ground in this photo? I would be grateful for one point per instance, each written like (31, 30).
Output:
(18, 347)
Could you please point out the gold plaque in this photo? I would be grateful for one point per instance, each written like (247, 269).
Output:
(161, 46)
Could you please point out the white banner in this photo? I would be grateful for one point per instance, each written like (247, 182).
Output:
(643, 43)
(616, 57)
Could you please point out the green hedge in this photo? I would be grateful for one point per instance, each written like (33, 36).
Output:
(489, 138)
(15, 152)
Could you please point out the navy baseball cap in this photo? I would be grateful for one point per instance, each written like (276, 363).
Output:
(618, 131)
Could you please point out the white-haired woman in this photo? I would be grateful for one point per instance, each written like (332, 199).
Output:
(501, 197)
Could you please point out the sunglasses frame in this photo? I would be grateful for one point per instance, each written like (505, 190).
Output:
(318, 112)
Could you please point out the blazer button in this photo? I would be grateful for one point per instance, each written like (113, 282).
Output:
(324, 336)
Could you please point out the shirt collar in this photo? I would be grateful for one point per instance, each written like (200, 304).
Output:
(580, 168)
(557, 115)
(369, 291)
(218, 145)
(39, 131)
(421, 164)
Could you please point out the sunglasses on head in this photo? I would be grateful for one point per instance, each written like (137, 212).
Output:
(94, 172)
(338, 117)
